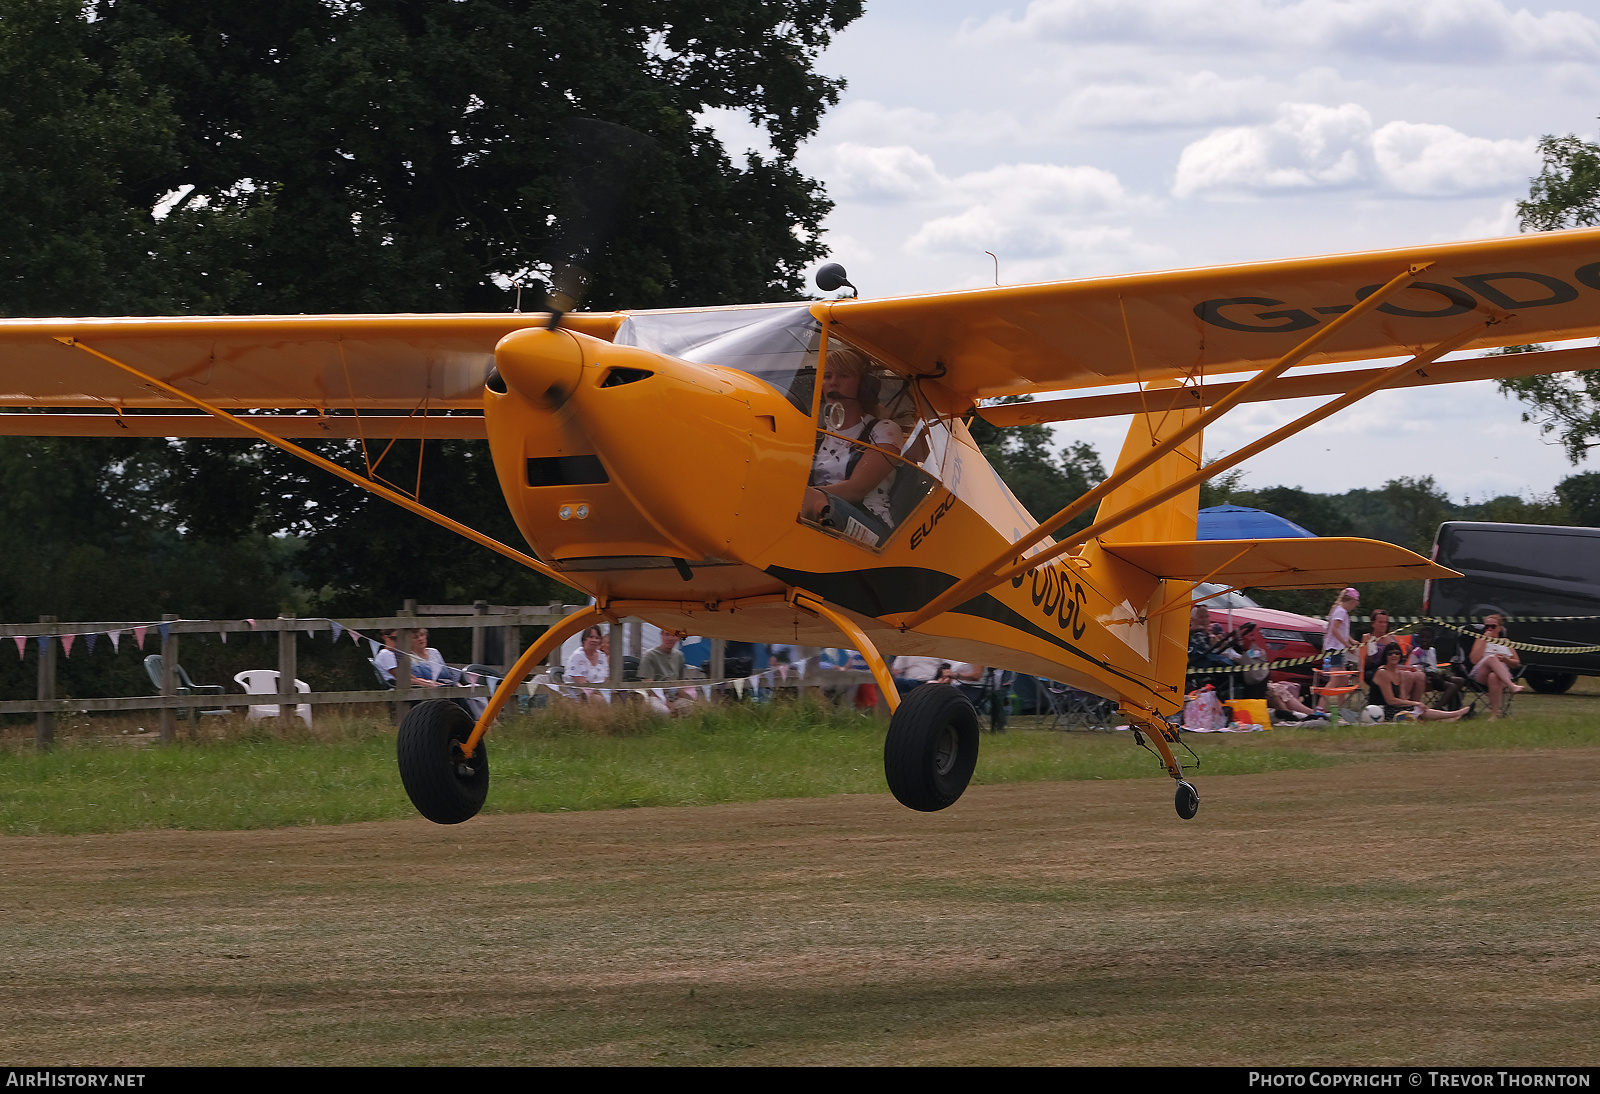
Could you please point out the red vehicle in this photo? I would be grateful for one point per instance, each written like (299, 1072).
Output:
(1283, 634)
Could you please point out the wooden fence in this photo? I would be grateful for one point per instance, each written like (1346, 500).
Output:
(481, 618)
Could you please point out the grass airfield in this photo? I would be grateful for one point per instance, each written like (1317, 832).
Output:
(1376, 895)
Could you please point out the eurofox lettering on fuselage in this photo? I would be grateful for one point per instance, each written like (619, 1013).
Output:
(1510, 289)
(925, 529)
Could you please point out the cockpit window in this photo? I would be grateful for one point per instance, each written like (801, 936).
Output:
(775, 344)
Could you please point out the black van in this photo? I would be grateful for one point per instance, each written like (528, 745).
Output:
(1523, 570)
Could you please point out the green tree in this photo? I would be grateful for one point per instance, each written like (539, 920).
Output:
(1565, 194)
(1044, 482)
(392, 155)
(1580, 496)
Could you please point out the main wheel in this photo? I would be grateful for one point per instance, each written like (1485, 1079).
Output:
(445, 784)
(932, 747)
(1550, 683)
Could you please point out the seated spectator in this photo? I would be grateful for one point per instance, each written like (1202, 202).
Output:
(913, 672)
(1495, 664)
(1396, 688)
(428, 669)
(1425, 659)
(665, 662)
(588, 666)
(1284, 696)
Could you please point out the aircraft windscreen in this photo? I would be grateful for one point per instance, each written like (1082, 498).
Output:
(775, 344)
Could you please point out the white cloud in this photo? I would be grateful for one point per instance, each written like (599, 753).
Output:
(1437, 160)
(1443, 31)
(1305, 146)
(1311, 146)
(1181, 99)
(1042, 220)
(877, 175)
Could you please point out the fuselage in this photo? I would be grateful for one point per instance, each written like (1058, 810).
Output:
(675, 486)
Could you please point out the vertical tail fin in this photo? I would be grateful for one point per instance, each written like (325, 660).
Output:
(1163, 639)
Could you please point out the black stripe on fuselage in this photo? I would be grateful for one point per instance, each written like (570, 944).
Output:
(890, 590)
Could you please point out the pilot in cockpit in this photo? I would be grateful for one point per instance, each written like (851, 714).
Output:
(850, 483)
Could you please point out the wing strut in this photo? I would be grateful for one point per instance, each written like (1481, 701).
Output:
(328, 465)
(988, 577)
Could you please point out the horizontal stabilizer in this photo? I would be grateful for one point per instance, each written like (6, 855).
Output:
(1314, 563)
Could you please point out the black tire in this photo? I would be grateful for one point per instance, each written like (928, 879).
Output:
(1550, 683)
(445, 786)
(932, 748)
(1187, 800)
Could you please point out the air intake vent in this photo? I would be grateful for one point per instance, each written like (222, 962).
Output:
(566, 471)
(619, 376)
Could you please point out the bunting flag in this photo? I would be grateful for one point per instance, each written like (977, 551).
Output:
(66, 643)
(311, 632)
(44, 644)
(336, 627)
(138, 635)
(738, 685)
(88, 641)
(166, 631)
(224, 637)
(659, 693)
(375, 647)
(116, 640)
(783, 671)
(22, 642)
(252, 623)
(705, 690)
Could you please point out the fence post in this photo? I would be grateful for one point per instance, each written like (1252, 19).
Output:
(402, 665)
(618, 633)
(480, 608)
(288, 669)
(44, 723)
(719, 659)
(169, 678)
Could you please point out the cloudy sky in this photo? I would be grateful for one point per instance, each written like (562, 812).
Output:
(1087, 137)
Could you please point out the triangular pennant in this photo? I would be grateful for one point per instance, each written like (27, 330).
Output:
(44, 644)
(116, 640)
(224, 637)
(138, 636)
(738, 685)
(66, 643)
(22, 642)
(659, 693)
(88, 641)
(705, 689)
(252, 623)
(311, 632)
(783, 670)
(375, 647)
(166, 631)
(336, 627)
(472, 679)
(606, 695)
(755, 681)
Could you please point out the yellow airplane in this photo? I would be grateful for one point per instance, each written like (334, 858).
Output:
(802, 472)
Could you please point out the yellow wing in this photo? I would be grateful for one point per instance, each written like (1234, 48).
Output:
(1279, 563)
(382, 363)
(1013, 340)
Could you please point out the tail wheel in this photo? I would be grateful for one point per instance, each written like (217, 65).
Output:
(1187, 800)
(445, 784)
(932, 748)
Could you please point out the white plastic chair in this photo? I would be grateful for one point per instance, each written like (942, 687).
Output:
(265, 682)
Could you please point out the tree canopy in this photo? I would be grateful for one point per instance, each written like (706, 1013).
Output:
(1565, 194)
(163, 157)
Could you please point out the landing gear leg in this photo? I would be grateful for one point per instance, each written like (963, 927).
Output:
(1187, 799)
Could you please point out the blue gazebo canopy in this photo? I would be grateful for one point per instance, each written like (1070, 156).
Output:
(1238, 522)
